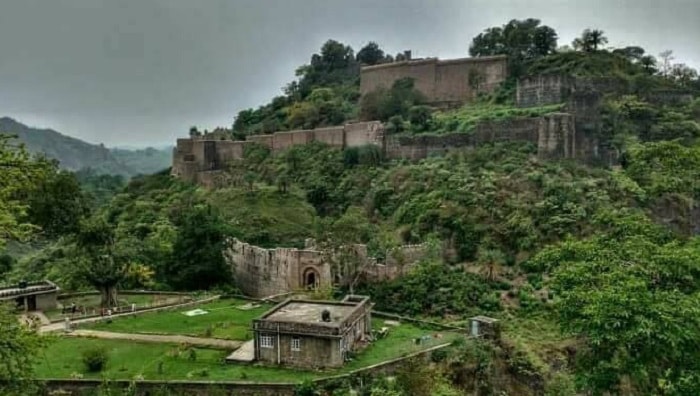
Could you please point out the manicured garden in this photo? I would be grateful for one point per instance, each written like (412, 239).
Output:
(129, 359)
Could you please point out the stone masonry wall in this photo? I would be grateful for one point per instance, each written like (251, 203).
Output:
(193, 157)
(442, 82)
(261, 272)
(553, 134)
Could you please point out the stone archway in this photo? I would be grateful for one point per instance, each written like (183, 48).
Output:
(311, 278)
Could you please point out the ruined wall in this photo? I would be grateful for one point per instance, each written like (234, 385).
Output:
(261, 272)
(442, 82)
(265, 140)
(543, 90)
(554, 135)
(422, 72)
(461, 80)
(332, 136)
(362, 133)
(195, 157)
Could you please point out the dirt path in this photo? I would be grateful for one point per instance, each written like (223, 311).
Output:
(62, 326)
(173, 339)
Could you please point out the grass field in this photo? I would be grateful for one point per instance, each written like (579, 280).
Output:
(128, 359)
(224, 320)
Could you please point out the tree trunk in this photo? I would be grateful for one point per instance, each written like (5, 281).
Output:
(109, 296)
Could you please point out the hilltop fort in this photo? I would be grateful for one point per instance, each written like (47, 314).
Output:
(568, 133)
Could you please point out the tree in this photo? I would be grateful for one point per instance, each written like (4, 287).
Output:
(666, 58)
(18, 173)
(590, 40)
(340, 240)
(648, 63)
(683, 75)
(198, 261)
(370, 54)
(520, 40)
(19, 346)
(633, 53)
(57, 204)
(104, 263)
(633, 298)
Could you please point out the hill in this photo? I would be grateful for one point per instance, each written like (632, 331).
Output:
(74, 154)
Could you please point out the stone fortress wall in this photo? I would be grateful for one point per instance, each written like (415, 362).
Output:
(261, 272)
(198, 159)
(443, 82)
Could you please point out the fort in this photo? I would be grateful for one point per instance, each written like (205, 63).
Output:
(568, 134)
(445, 83)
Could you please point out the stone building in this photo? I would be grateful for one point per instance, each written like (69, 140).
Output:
(36, 296)
(444, 83)
(312, 334)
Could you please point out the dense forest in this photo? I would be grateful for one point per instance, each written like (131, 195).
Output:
(593, 271)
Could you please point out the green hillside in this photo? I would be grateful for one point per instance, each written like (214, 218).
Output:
(592, 271)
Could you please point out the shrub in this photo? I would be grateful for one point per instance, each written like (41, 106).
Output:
(95, 359)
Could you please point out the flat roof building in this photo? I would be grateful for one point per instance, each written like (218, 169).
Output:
(34, 296)
(312, 334)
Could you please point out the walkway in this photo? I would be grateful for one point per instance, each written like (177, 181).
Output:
(62, 326)
(172, 339)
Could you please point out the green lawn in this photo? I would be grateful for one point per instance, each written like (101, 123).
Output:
(224, 319)
(128, 359)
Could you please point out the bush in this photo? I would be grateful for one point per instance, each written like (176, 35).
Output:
(95, 359)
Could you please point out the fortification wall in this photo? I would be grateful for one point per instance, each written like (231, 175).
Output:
(265, 140)
(362, 133)
(383, 76)
(442, 82)
(332, 136)
(423, 146)
(461, 80)
(543, 90)
(261, 272)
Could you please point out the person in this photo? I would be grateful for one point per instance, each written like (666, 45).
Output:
(72, 308)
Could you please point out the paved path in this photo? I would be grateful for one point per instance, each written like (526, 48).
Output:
(173, 339)
(62, 326)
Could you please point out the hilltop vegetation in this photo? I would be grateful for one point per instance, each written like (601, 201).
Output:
(593, 271)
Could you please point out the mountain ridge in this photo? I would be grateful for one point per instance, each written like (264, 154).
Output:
(75, 154)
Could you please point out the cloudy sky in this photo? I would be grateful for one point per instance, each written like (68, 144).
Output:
(141, 72)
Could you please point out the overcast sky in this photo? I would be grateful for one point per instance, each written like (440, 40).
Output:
(142, 72)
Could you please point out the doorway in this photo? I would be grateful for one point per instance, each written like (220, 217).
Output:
(311, 279)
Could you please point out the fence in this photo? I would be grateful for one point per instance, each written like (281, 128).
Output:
(81, 312)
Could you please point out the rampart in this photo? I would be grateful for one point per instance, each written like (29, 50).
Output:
(572, 134)
(443, 82)
(198, 159)
(261, 272)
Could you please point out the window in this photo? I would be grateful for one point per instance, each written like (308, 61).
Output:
(266, 341)
(296, 344)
